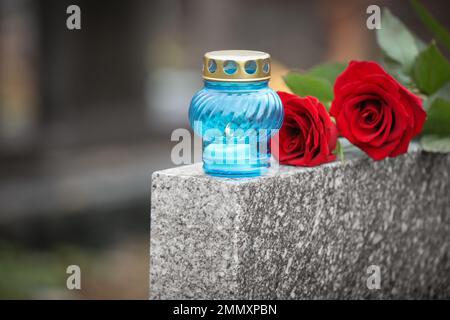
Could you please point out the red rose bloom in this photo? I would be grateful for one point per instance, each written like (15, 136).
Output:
(375, 112)
(307, 136)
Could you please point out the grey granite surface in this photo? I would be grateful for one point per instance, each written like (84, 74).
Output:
(304, 232)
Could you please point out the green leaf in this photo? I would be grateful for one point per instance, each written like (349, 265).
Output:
(420, 44)
(438, 114)
(396, 70)
(329, 71)
(435, 143)
(440, 33)
(396, 41)
(431, 70)
(307, 85)
(339, 151)
(443, 93)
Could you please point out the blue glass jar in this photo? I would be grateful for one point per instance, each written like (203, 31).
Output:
(236, 113)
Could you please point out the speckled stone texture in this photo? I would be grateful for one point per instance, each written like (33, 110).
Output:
(304, 233)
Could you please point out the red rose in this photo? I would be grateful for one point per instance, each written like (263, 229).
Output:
(307, 136)
(374, 112)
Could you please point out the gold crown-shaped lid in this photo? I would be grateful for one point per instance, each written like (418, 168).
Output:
(236, 65)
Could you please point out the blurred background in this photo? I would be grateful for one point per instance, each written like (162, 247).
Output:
(86, 116)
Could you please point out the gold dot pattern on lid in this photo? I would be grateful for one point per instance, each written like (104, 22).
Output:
(236, 65)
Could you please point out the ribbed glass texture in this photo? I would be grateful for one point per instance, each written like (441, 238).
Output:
(236, 121)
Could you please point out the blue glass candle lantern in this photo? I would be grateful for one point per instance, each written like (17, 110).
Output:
(236, 113)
